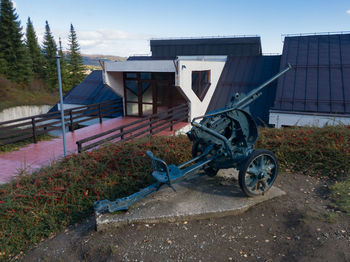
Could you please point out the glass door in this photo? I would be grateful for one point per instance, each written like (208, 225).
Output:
(131, 91)
(147, 93)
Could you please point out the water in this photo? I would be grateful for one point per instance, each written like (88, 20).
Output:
(22, 111)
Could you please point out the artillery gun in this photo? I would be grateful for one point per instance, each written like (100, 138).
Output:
(222, 139)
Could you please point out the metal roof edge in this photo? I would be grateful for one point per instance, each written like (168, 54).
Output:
(308, 113)
(204, 37)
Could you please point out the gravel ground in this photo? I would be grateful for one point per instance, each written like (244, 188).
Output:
(300, 226)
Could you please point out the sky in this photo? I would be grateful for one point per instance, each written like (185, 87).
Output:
(124, 27)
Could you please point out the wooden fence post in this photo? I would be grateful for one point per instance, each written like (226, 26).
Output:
(150, 126)
(100, 113)
(71, 121)
(122, 136)
(79, 147)
(34, 130)
(171, 121)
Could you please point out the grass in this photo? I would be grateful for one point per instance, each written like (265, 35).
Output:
(17, 145)
(340, 193)
(34, 207)
(34, 94)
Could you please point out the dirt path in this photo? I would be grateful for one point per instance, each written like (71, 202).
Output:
(294, 227)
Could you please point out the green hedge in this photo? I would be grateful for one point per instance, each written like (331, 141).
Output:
(33, 207)
(310, 150)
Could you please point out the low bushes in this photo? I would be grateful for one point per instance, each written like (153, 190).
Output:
(313, 151)
(33, 207)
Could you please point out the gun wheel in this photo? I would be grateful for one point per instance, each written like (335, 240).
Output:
(258, 173)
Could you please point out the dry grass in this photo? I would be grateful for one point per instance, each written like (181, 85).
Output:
(16, 95)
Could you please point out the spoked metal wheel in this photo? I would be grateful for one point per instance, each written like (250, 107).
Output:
(258, 173)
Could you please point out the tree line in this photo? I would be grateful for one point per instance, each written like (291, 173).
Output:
(23, 59)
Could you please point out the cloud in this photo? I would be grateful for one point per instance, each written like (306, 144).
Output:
(348, 12)
(118, 42)
(103, 41)
(14, 4)
(107, 34)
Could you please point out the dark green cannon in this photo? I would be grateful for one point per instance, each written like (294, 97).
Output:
(221, 139)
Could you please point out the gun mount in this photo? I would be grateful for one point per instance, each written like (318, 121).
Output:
(222, 139)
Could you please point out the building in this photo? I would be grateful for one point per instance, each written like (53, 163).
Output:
(203, 72)
(92, 90)
(206, 72)
(317, 91)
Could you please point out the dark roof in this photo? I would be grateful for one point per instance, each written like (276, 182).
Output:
(235, 46)
(320, 81)
(243, 74)
(91, 90)
(149, 58)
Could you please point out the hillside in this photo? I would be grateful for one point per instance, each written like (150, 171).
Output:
(92, 60)
(35, 93)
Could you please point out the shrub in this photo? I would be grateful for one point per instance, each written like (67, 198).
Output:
(310, 150)
(33, 207)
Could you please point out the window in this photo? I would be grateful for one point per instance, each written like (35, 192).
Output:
(200, 83)
(130, 75)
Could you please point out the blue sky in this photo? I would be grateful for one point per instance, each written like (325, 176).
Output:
(124, 27)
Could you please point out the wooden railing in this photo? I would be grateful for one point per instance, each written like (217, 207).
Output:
(151, 124)
(31, 127)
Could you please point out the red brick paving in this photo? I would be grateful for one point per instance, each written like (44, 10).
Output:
(34, 156)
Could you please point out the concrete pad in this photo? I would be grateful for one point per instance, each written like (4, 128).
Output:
(200, 198)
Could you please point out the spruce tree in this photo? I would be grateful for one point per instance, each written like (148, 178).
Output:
(49, 51)
(75, 60)
(34, 49)
(64, 69)
(14, 56)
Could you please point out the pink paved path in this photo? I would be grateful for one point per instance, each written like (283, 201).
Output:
(34, 156)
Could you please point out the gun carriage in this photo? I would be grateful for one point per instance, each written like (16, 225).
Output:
(221, 139)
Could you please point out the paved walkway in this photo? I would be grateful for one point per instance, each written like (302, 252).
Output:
(34, 156)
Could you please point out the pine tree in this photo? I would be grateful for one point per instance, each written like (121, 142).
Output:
(75, 60)
(14, 56)
(34, 49)
(49, 51)
(64, 68)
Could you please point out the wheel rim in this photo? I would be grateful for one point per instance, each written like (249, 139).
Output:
(260, 174)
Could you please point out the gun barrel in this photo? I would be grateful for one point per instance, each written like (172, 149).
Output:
(250, 96)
